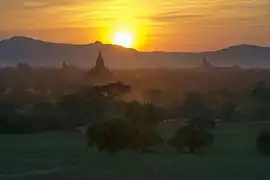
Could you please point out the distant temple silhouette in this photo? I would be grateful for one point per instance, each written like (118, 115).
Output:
(68, 68)
(65, 65)
(100, 74)
(207, 66)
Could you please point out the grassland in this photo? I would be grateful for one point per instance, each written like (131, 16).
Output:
(62, 156)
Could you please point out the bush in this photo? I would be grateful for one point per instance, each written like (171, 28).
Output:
(263, 141)
(111, 135)
(118, 134)
(192, 138)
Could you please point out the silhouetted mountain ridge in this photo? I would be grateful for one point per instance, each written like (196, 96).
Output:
(41, 53)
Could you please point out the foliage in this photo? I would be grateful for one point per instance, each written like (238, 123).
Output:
(261, 92)
(144, 115)
(192, 138)
(263, 141)
(81, 107)
(259, 106)
(228, 112)
(111, 135)
(197, 111)
(118, 134)
(136, 130)
(155, 96)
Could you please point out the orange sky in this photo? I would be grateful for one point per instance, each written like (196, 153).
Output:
(172, 25)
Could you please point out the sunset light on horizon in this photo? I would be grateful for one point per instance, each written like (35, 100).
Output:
(123, 38)
(187, 25)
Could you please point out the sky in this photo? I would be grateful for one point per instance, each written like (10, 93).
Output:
(167, 25)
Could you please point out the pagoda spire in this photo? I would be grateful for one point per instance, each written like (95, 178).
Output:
(100, 61)
(100, 73)
(64, 64)
(206, 63)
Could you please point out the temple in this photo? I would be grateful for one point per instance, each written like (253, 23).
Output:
(100, 74)
(65, 65)
(206, 64)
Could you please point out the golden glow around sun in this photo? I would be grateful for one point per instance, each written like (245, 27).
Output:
(123, 38)
(127, 34)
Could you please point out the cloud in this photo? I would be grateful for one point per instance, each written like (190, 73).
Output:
(172, 16)
(20, 4)
(246, 4)
(35, 5)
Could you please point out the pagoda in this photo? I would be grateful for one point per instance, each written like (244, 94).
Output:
(100, 73)
(206, 64)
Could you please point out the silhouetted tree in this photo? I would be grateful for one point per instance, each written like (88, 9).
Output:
(120, 134)
(113, 90)
(93, 104)
(134, 113)
(197, 111)
(192, 138)
(260, 101)
(143, 116)
(112, 135)
(263, 141)
(261, 92)
(155, 96)
(228, 111)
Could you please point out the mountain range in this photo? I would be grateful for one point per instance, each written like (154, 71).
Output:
(41, 53)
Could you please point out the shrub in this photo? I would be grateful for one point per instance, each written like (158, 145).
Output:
(117, 134)
(111, 135)
(192, 138)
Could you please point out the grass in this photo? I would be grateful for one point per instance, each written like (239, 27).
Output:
(62, 156)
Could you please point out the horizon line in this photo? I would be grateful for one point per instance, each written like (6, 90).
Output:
(98, 41)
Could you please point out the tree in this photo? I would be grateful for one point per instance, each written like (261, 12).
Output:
(45, 117)
(263, 141)
(119, 134)
(114, 90)
(225, 103)
(192, 138)
(155, 96)
(228, 111)
(198, 111)
(261, 92)
(112, 135)
(134, 113)
(144, 116)
(260, 97)
(93, 104)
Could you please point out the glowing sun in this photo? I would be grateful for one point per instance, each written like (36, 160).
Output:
(123, 38)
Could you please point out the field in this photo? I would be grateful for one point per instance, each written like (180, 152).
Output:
(63, 156)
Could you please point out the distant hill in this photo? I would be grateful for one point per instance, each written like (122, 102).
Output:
(41, 53)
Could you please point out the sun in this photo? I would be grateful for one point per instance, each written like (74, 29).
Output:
(123, 38)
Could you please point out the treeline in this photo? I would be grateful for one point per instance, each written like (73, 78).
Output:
(137, 128)
(115, 123)
(85, 106)
(93, 104)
